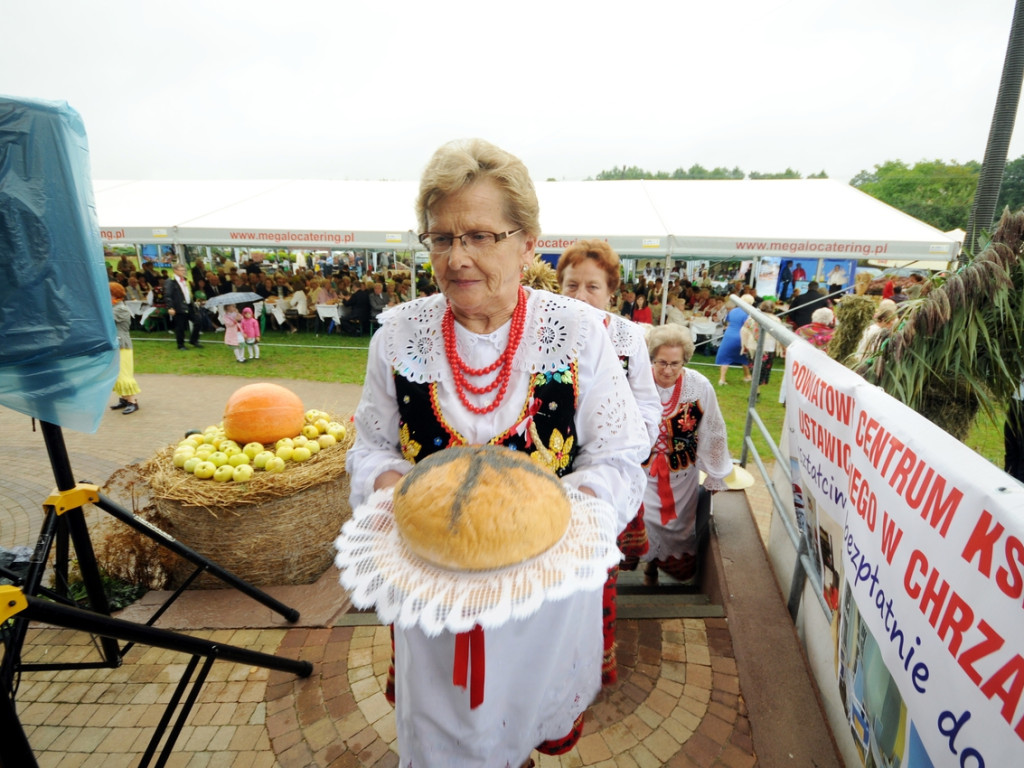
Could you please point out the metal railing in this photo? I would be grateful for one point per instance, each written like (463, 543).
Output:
(804, 569)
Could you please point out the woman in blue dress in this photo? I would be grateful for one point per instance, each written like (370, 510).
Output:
(730, 352)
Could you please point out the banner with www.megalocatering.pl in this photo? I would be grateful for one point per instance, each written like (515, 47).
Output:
(920, 542)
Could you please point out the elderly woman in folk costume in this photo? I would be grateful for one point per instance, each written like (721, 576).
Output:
(588, 270)
(487, 361)
(691, 439)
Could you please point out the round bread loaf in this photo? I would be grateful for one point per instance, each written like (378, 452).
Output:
(479, 508)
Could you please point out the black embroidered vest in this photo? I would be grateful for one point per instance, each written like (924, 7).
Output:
(683, 427)
(548, 415)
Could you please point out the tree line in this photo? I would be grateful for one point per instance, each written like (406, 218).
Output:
(936, 192)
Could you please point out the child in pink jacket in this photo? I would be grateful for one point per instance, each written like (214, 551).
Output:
(251, 333)
(233, 331)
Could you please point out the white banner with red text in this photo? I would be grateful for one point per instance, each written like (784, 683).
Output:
(921, 545)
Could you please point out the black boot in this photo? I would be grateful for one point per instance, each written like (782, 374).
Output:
(131, 408)
(121, 403)
(650, 575)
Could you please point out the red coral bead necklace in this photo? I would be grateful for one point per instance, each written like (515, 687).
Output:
(503, 364)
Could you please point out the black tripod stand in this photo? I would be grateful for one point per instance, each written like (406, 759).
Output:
(63, 526)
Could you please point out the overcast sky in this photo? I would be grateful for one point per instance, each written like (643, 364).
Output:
(346, 90)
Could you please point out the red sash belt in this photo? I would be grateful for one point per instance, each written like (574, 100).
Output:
(660, 470)
(469, 660)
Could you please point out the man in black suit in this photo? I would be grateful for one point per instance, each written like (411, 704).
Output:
(198, 272)
(628, 302)
(358, 320)
(803, 306)
(181, 307)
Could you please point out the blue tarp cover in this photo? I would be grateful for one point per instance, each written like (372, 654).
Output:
(58, 346)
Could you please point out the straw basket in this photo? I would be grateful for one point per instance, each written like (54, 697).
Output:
(286, 540)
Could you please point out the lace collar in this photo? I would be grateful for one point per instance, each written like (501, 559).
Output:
(627, 337)
(552, 339)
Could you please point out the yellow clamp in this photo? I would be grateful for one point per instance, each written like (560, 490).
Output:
(12, 601)
(79, 496)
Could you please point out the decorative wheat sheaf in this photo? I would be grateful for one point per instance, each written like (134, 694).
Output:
(958, 349)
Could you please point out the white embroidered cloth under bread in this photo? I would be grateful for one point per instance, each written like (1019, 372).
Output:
(381, 572)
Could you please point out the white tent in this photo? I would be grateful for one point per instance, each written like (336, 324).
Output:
(310, 214)
(812, 218)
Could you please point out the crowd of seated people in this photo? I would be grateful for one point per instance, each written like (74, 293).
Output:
(366, 296)
(300, 291)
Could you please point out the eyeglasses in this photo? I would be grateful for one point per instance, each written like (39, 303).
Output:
(439, 243)
(666, 364)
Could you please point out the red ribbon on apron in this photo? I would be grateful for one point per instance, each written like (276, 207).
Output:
(662, 447)
(667, 500)
(469, 661)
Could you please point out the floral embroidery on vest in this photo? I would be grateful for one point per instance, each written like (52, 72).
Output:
(683, 426)
(545, 427)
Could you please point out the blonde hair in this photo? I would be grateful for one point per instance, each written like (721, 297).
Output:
(458, 164)
(670, 335)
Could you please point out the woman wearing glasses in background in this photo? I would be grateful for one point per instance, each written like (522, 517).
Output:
(490, 362)
(691, 439)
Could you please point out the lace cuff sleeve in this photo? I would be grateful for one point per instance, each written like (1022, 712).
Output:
(712, 446)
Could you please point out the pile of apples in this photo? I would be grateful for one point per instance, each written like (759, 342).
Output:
(211, 455)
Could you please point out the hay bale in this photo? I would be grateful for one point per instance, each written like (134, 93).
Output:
(281, 540)
(275, 529)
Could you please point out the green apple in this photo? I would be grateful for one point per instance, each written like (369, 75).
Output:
(219, 458)
(284, 452)
(230, 447)
(299, 441)
(283, 441)
(336, 430)
(321, 425)
(313, 447)
(191, 464)
(274, 464)
(301, 453)
(243, 473)
(238, 459)
(224, 473)
(181, 456)
(253, 449)
(204, 470)
(260, 459)
(326, 441)
(310, 432)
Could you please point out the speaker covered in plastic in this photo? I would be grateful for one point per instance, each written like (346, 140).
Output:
(58, 346)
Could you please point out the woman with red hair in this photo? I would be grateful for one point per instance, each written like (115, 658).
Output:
(125, 387)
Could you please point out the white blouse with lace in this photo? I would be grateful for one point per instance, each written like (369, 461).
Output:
(543, 671)
(558, 331)
(628, 341)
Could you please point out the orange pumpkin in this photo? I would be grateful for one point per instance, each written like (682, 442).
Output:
(263, 413)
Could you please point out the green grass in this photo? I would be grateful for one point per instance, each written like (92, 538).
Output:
(342, 359)
(298, 356)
